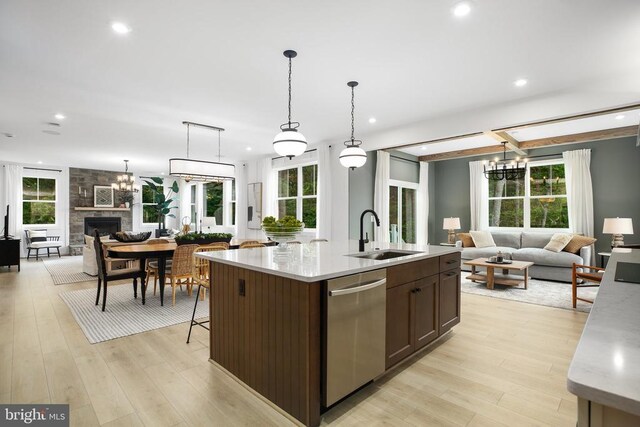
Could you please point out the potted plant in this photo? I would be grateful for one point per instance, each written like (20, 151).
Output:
(162, 201)
(126, 198)
(202, 238)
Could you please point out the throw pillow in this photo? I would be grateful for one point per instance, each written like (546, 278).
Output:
(558, 242)
(467, 241)
(578, 242)
(482, 239)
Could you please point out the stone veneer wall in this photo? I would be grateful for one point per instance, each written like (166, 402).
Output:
(85, 179)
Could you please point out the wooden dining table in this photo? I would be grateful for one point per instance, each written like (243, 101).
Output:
(142, 252)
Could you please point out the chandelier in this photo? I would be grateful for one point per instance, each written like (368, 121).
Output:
(289, 142)
(353, 156)
(509, 170)
(125, 182)
(201, 170)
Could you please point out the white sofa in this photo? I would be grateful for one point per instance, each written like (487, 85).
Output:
(529, 246)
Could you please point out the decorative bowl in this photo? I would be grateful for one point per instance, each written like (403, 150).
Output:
(282, 235)
(127, 237)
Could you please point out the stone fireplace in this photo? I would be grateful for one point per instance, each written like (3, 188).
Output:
(104, 224)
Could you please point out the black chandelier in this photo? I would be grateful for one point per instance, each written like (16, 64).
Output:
(509, 170)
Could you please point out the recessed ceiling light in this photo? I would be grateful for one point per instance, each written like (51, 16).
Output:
(620, 117)
(372, 120)
(249, 148)
(161, 173)
(520, 82)
(39, 162)
(424, 147)
(461, 9)
(120, 28)
(60, 116)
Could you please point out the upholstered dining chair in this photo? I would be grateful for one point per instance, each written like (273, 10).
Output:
(200, 276)
(590, 277)
(105, 276)
(179, 272)
(38, 239)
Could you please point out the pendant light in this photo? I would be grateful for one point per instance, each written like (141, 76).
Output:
(510, 170)
(125, 182)
(353, 156)
(289, 142)
(201, 170)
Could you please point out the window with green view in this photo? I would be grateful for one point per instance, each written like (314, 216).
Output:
(38, 201)
(298, 193)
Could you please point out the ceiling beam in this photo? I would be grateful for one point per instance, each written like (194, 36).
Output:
(577, 138)
(512, 143)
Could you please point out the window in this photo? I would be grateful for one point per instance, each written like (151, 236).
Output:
(232, 203)
(402, 211)
(192, 204)
(214, 201)
(298, 193)
(38, 201)
(149, 215)
(537, 201)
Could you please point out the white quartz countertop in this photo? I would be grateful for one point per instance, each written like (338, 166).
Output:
(606, 365)
(311, 262)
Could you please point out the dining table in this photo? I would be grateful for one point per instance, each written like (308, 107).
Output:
(142, 252)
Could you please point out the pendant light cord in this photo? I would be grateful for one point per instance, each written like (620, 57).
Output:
(187, 140)
(289, 91)
(353, 108)
(219, 147)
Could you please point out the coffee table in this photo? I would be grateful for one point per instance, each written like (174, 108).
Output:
(491, 278)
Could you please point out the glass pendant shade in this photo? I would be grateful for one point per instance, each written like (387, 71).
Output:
(353, 157)
(125, 182)
(289, 143)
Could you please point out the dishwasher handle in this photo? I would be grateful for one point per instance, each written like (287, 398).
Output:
(356, 289)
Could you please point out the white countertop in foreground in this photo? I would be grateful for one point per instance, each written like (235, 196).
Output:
(311, 262)
(606, 365)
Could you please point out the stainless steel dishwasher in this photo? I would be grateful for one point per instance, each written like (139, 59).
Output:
(355, 332)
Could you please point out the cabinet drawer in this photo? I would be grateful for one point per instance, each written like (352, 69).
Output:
(412, 271)
(450, 261)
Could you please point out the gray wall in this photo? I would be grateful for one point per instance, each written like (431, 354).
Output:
(615, 172)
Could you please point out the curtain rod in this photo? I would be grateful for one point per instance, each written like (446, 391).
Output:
(282, 157)
(43, 169)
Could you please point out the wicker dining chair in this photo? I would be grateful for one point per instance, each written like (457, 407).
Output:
(252, 245)
(200, 276)
(248, 242)
(223, 245)
(151, 271)
(179, 272)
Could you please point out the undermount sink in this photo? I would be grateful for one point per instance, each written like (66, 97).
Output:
(384, 254)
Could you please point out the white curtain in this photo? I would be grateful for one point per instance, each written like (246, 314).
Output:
(269, 189)
(479, 196)
(577, 170)
(381, 196)
(422, 224)
(241, 201)
(323, 226)
(12, 190)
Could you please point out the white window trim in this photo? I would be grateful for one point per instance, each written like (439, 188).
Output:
(226, 203)
(142, 205)
(402, 184)
(299, 197)
(527, 202)
(55, 202)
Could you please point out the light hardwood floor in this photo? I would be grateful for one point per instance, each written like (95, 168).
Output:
(505, 364)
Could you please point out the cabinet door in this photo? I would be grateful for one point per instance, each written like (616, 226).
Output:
(400, 325)
(449, 304)
(426, 311)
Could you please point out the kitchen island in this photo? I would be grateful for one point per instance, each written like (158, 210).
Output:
(605, 370)
(272, 323)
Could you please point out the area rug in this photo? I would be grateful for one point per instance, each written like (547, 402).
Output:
(125, 315)
(67, 269)
(540, 292)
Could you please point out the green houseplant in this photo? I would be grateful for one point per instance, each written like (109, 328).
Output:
(203, 238)
(162, 202)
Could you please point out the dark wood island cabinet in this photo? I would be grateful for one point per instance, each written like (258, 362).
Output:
(267, 319)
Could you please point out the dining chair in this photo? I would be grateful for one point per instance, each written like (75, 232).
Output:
(200, 276)
(252, 245)
(223, 245)
(294, 242)
(248, 242)
(105, 276)
(318, 240)
(179, 272)
(590, 276)
(153, 272)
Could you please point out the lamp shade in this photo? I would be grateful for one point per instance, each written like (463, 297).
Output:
(353, 157)
(617, 226)
(289, 143)
(199, 170)
(451, 224)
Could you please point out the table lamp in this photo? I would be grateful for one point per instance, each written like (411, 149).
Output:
(617, 227)
(451, 224)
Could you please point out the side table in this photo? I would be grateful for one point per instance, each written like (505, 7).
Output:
(10, 252)
(602, 256)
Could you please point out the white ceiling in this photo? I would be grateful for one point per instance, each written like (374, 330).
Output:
(221, 63)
